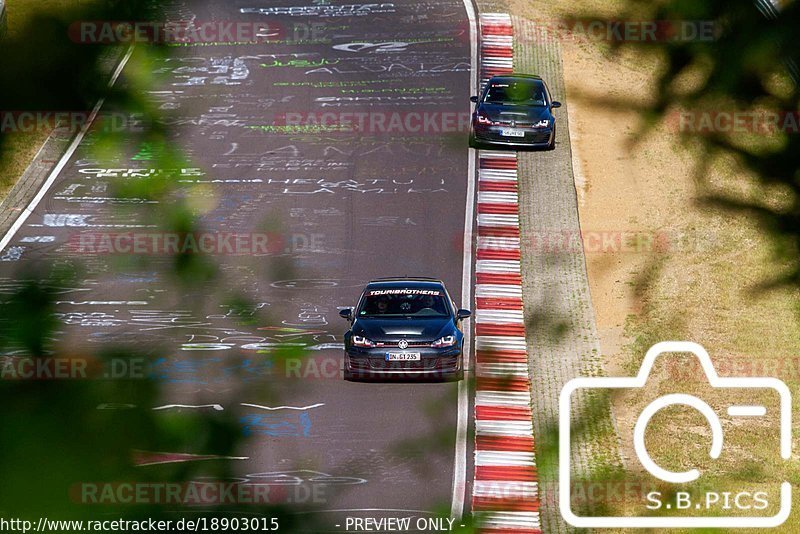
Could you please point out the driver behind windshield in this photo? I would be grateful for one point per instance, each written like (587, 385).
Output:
(528, 93)
(403, 305)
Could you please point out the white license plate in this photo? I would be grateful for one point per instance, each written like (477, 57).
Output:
(512, 132)
(402, 356)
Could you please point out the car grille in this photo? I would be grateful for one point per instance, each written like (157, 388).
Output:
(411, 344)
(447, 362)
(535, 137)
(359, 364)
(382, 365)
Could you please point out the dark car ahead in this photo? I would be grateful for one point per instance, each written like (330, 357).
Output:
(514, 110)
(404, 328)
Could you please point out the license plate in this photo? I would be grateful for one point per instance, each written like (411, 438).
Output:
(512, 132)
(402, 356)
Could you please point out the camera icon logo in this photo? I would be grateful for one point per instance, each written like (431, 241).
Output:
(717, 440)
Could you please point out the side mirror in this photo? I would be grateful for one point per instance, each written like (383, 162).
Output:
(346, 313)
(473, 99)
(463, 314)
(556, 104)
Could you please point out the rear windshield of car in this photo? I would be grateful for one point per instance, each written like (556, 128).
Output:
(419, 303)
(518, 92)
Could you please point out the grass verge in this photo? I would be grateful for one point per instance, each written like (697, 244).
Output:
(702, 284)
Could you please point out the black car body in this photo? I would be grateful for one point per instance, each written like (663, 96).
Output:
(514, 110)
(404, 328)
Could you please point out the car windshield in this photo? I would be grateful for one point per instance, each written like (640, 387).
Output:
(517, 92)
(418, 303)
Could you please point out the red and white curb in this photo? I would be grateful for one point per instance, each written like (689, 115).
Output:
(505, 496)
(497, 52)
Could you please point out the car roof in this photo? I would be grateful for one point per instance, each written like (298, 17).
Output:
(506, 78)
(517, 75)
(409, 282)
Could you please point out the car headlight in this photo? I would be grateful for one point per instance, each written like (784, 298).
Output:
(482, 119)
(544, 123)
(361, 341)
(446, 341)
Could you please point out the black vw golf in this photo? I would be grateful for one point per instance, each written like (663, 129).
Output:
(404, 328)
(514, 110)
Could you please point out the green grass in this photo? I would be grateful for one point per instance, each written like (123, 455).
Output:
(18, 149)
(19, 12)
(17, 152)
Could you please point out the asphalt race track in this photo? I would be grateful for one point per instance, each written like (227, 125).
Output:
(339, 207)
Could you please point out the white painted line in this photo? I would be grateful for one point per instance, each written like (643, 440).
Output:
(496, 175)
(485, 372)
(500, 343)
(498, 266)
(499, 316)
(299, 408)
(216, 407)
(497, 154)
(500, 171)
(518, 429)
(498, 197)
(64, 159)
(511, 367)
(190, 459)
(495, 220)
(502, 489)
(502, 369)
(460, 458)
(504, 459)
(508, 520)
(502, 398)
(747, 411)
(498, 290)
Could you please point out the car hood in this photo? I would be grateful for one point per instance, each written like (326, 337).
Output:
(395, 329)
(520, 114)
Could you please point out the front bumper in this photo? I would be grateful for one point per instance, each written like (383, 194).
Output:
(432, 363)
(534, 137)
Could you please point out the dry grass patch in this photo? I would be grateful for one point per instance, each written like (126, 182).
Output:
(703, 286)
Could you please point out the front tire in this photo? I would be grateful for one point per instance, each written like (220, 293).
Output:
(473, 142)
(347, 374)
(552, 145)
